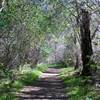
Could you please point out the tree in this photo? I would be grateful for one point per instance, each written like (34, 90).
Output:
(86, 46)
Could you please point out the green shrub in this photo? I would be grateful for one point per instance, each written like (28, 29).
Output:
(78, 88)
(24, 68)
(42, 68)
(30, 77)
(13, 80)
(17, 84)
(8, 96)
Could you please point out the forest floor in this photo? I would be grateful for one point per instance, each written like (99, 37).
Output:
(48, 87)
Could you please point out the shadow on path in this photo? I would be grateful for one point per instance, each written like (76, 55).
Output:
(48, 87)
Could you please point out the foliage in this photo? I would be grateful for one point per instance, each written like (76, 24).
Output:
(6, 84)
(42, 67)
(30, 77)
(78, 88)
(41, 25)
(12, 81)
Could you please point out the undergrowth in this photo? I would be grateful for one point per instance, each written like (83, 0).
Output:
(43, 67)
(78, 87)
(11, 81)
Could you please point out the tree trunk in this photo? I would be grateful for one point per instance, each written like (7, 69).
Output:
(76, 54)
(86, 46)
(77, 63)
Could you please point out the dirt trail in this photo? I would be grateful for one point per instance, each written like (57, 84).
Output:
(48, 87)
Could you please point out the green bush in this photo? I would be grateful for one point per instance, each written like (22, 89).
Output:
(17, 84)
(13, 80)
(42, 68)
(8, 96)
(30, 77)
(78, 87)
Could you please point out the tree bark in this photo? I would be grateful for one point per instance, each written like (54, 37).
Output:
(77, 63)
(86, 45)
(76, 54)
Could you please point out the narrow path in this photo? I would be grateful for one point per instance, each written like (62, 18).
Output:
(48, 87)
